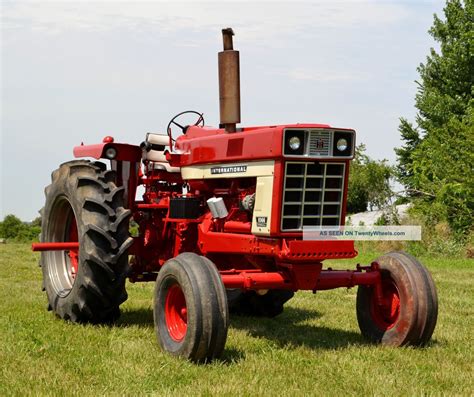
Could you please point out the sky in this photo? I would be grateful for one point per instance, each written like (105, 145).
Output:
(74, 71)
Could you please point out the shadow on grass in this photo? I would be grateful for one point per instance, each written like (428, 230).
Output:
(144, 318)
(139, 317)
(231, 356)
(287, 330)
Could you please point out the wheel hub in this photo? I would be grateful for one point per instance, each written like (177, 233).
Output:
(176, 313)
(386, 312)
(73, 254)
(62, 266)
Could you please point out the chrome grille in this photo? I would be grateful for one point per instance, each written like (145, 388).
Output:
(312, 194)
(320, 143)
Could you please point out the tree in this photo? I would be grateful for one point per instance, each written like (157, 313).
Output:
(369, 182)
(404, 167)
(435, 163)
(11, 227)
(36, 221)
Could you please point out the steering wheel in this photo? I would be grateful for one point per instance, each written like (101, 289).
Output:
(199, 122)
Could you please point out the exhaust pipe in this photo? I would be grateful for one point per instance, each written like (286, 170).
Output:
(229, 83)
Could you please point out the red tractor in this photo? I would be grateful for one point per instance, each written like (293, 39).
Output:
(220, 230)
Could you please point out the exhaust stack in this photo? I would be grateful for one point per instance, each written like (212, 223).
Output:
(229, 83)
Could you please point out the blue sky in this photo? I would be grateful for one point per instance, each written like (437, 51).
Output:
(74, 72)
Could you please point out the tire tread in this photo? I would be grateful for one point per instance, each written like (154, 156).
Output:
(103, 256)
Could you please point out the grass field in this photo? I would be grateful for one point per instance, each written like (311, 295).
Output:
(313, 348)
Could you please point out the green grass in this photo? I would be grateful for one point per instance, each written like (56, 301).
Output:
(314, 347)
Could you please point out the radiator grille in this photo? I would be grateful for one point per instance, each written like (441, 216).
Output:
(312, 194)
(320, 143)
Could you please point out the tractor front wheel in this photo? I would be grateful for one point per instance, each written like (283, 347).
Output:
(190, 308)
(408, 310)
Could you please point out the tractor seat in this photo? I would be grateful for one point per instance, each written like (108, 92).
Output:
(154, 149)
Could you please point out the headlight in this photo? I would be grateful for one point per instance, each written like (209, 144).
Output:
(110, 153)
(341, 144)
(294, 143)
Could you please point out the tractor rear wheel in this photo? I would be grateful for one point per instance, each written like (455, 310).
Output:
(84, 205)
(251, 303)
(409, 309)
(190, 308)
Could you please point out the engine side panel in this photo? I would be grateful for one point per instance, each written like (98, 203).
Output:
(263, 170)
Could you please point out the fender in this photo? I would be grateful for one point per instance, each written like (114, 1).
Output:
(123, 151)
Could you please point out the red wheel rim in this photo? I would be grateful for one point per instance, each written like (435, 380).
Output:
(176, 313)
(386, 313)
(73, 255)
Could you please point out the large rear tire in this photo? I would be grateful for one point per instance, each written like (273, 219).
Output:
(409, 308)
(84, 204)
(190, 308)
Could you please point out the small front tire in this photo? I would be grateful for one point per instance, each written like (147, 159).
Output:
(409, 309)
(190, 308)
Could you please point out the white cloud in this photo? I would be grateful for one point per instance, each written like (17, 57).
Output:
(254, 21)
(320, 76)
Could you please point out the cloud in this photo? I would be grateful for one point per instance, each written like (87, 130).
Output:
(254, 21)
(320, 76)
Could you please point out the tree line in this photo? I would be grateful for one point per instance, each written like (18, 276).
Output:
(13, 228)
